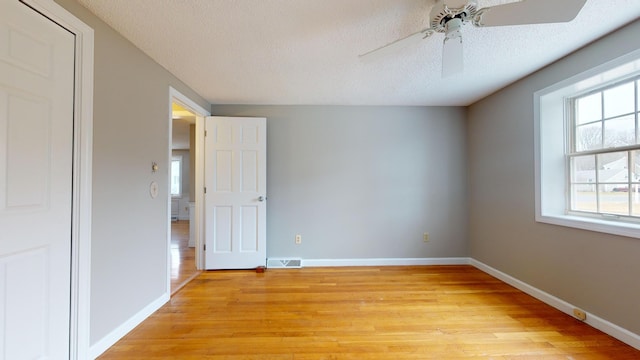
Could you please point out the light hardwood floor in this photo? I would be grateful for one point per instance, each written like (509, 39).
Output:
(433, 312)
(183, 259)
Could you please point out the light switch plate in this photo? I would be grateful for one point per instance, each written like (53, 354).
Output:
(153, 189)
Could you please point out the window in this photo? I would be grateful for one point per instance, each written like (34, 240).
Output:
(176, 176)
(604, 152)
(587, 156)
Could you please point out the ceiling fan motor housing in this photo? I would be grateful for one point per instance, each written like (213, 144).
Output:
(442, 13)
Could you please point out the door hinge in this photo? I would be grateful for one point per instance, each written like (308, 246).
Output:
(205, 189)
(205, 133)
(205, 247)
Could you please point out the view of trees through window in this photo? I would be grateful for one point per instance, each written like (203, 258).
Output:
(604, 160)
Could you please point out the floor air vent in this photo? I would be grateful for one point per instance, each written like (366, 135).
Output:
(284, 263)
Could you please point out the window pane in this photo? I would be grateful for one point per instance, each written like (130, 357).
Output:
(619, 100)
(614, 199)
(589, 137)
(175, 177)
(583, 198)
(583, 169)
(635, 201)
(589, 109)
(613, 168)
(620, 131)
(635, 187)
(635, 160)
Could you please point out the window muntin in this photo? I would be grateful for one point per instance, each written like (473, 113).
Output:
(604, 152)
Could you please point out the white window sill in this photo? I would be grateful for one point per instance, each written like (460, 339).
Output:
(592, 224)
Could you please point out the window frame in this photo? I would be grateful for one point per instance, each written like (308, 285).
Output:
(552, 141)
(572, 148)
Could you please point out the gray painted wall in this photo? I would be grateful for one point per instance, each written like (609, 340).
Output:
(364, 182)
(131, 122)
(594, 271)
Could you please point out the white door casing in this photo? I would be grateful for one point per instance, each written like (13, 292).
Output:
(235, 198)
(36, 163)
(197, 233)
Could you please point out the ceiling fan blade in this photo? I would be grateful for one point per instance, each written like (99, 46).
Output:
(452, 54)
(530, 12)
(399, 44)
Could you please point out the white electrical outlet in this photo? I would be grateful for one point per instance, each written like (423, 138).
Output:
(425, 237)
(298, 239)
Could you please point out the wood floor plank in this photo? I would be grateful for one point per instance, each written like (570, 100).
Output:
(183, 260)
(430, 312)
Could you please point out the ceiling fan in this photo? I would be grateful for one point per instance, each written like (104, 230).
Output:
(449, 16)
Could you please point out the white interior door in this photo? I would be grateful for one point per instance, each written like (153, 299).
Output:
(36, 142)
(235, 198)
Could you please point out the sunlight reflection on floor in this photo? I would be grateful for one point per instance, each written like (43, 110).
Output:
(183, 264)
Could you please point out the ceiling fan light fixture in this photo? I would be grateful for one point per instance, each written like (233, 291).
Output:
(452, 55)
(448, 17)
(453, 29)
(442, 13)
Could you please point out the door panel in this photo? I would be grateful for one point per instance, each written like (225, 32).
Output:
(249, 168)
(235, 178)
(249, 241)
(26, 301)
(223, 220)
(36, 142)
(223, 171)
(27, 167)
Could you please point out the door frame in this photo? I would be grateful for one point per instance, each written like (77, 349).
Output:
(79, 343)
(201, 113)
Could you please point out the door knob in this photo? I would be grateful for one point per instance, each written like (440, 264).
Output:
(262, 198)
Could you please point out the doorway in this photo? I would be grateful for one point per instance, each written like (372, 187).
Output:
(183, 198)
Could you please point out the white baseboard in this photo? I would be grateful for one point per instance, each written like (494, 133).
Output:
(601, 324)
(106, 342)
(384, 262)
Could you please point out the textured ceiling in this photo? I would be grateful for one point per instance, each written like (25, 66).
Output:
(306, 51)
